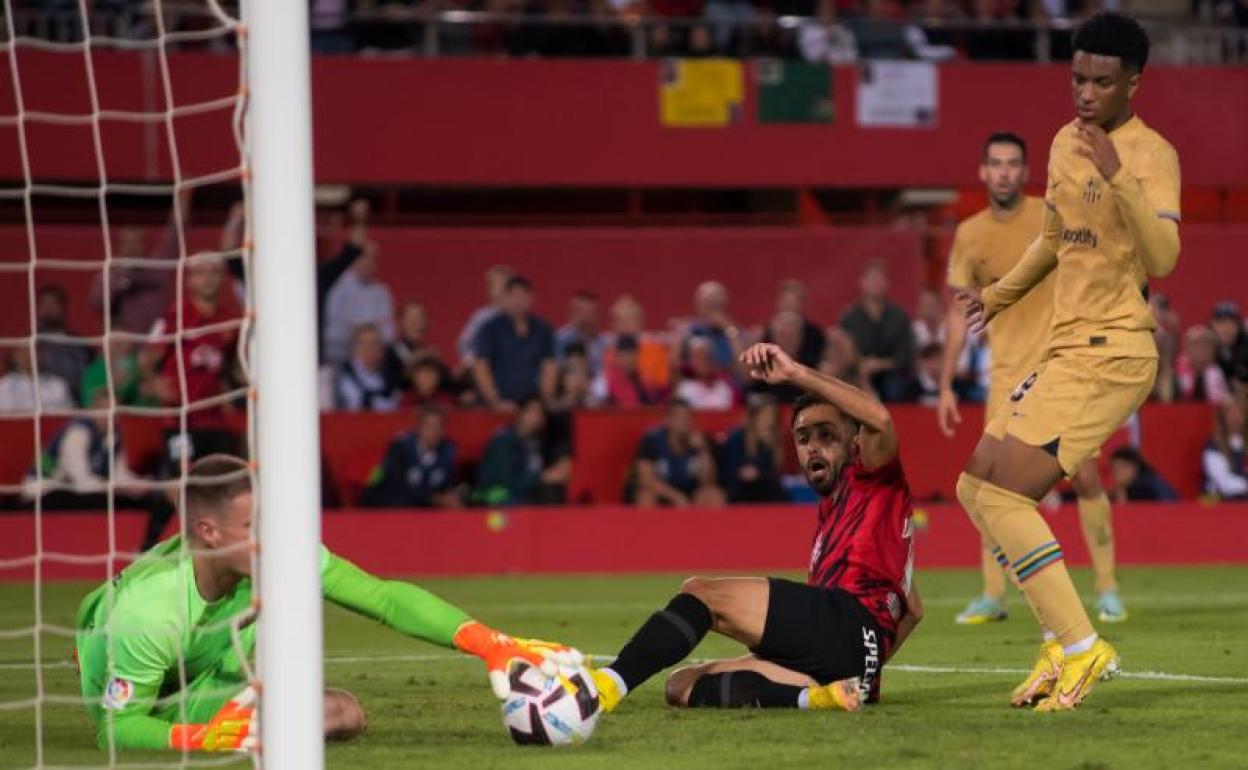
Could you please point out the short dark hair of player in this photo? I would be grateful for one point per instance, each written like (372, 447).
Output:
(807, 400)
(1113, 34)
(519, 282)
(213, 481)
(1004, 137)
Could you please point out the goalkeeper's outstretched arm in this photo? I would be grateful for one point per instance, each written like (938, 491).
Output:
(413, 611)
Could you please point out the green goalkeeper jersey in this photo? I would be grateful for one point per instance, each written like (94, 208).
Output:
(152, 652)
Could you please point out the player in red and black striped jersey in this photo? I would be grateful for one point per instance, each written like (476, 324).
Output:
(818, 645)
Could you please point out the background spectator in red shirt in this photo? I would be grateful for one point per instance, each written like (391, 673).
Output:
(360, 384)
(207, 363)
(654, 353)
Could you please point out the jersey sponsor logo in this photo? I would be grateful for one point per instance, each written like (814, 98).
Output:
(118, 694)
(870, 663)
(1081, 236)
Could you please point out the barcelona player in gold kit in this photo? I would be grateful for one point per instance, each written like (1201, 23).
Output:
(985, 247)
(1110, 223)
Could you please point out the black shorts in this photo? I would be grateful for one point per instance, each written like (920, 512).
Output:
(824, 633)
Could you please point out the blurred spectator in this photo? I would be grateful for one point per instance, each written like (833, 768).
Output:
(356, 299)
(711, 321)
(1223, 461)
(328, 22)
(973, 372)
(1228, 324)
(330, 270)
(17, 386)
(620, 383)
(751, 456)
(419, 467)
(878, 33)
(787, 329)
(496, 279)
(674, 465)
(409, 346)
(727, 19)
(139, 295)
(360, 384)
(133, 379)
(881, 333)
(515, 352)
(791, 298)
(1135, 480)
(206, 360)
(840, 358)
(1198, 377)
(824, 39)
(991, 40)
(522, 466)
(583, 328)
(654, 359)
(572, 390)
(66, 360)
(76, 473)
(929, 319)
(1166, 336)
(429, 384)
(705, 386)
(924, 387)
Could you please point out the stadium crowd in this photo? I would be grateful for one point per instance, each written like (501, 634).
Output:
(376, 356)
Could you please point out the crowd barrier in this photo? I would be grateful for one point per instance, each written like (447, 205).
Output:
(610, 539)
(605, 443)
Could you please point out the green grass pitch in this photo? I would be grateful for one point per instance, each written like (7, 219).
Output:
(1182, 703)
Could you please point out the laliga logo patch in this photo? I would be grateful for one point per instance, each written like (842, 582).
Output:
(118, 694)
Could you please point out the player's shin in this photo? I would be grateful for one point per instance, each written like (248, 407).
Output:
(664, 640)
(1036, 559)
(1098, 533)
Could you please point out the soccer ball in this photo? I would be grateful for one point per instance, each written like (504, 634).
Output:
(550, 711)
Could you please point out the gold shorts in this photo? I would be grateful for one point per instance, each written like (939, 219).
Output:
(1073, 403)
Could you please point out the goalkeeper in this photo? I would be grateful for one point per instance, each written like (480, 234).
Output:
(159, 661)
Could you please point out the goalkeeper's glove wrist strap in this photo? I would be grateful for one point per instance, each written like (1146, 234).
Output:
(186, 737)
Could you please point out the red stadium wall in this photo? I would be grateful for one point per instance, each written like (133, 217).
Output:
(536, 540)
(592, 122)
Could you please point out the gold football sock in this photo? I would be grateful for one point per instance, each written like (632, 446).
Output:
(1036, 559)
(1098, 532)
(992, 560)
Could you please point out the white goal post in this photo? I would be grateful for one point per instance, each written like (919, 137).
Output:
(279, 130)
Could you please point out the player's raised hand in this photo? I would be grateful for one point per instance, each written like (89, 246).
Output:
(947, 412)
(499, 650)
(977, 316)
(1095, 145)
(769, 363)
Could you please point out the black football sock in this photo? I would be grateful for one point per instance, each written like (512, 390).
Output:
(664, 640)
(742, 689)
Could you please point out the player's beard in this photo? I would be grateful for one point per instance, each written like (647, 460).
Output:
(1006, 202)
(827, 483)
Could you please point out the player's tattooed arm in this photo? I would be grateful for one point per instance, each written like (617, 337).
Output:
(877, 439)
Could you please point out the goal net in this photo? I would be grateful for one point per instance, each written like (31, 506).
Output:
(139, 236)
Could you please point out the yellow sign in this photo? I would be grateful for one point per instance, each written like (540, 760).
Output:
(701, 93)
